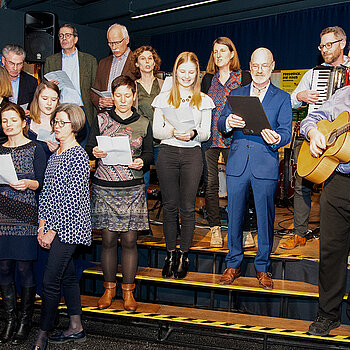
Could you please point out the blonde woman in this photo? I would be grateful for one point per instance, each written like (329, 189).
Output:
(179, 164)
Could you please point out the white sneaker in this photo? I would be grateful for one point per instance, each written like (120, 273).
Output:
(216, 237)
(248, 240)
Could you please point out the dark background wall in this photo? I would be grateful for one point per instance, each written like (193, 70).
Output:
(290, 28)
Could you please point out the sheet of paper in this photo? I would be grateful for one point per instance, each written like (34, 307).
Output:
(117, 148)
(104, 94)
(167, 85)
(181, 119)
(24, 106)
(62, 78)
(7, 170)
(45, 135)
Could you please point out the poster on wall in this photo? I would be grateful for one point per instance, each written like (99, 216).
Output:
(290, 79)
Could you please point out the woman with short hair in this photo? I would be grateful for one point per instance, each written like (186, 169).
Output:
(64, 223)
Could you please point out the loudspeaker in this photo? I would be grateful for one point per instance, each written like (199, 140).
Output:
(39, 35)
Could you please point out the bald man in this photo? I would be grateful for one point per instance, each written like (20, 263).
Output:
(253, 161)
(119, 63)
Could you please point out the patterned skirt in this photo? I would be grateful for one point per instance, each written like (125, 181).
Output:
(119, 209)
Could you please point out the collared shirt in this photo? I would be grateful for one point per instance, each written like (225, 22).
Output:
(15, 89)
(117, 67)
(306, 82)
(218, 92)
(70, 64)
(330, 110)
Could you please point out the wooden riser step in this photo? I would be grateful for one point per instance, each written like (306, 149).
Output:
(204, 247)
(211, 281)
(217, 319)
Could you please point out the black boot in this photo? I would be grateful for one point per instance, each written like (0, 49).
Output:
(169, 264)
(8, 293)
(184, 264)
(25, 321)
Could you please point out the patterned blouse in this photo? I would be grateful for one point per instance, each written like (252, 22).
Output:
(64, 202)
(218, 93)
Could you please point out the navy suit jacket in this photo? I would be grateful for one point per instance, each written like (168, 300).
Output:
(251, 150)
(27, 87)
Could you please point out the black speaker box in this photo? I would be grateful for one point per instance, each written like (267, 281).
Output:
(40, 32)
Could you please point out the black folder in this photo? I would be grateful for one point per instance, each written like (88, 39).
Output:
(252, 112)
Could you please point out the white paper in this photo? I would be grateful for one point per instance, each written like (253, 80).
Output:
(24, 106)
(7, 170)
(62, 78)
(117, 148)
(104, 94)
(181, 118)
(46, 135)
(167, 85)
(69, 94)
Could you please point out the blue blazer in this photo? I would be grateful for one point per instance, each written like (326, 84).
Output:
(253, 151)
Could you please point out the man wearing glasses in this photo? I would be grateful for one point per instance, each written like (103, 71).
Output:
(79, 66)
(333, 41)
(23, 84)
(119, 63)
(253, 161)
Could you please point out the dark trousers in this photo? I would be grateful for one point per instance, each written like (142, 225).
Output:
(302, 199)
(59, 271)
(179, 170)
(334, 245)
(212, 189)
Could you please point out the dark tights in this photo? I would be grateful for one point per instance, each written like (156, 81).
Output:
(109, 255)
(24, 270)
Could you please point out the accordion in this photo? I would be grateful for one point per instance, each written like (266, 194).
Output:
(327, 80)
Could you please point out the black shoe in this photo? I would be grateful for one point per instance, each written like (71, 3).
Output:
(170, 264)
(184, 264)
(322, 326)
(8, 293)
(60, 338)
(25, 322)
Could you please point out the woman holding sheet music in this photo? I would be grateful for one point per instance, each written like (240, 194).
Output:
(19, 223)
(181, 121)
(118, 200)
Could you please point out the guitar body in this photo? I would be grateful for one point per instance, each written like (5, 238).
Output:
(319, 169)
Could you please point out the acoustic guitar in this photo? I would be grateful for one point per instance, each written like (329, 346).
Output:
(337, 137)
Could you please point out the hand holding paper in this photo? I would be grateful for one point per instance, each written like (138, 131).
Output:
(117, 148)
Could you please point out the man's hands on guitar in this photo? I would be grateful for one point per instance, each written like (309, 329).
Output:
(235, 121)
(317, 142)
(308, 96)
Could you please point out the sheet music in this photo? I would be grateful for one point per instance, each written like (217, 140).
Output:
(104, 94)
(46, 135)
(117, 148)
(181, 119)
(7, 170)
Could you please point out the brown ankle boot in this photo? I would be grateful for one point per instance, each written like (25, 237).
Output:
(128, 297)
(106, 299)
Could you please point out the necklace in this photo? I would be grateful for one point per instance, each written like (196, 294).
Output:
(59, 151)
(188, 99)
(259, 90)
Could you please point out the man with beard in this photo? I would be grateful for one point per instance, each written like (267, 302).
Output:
(253, 161)
(333, 41)
(119, 63)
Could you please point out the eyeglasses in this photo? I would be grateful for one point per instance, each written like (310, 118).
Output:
(114, 43)
(60, 123)
(66, 35)
(14, 65)
(328, 45)
(264, 66)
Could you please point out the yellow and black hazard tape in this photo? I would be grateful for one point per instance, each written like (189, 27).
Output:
(218, 324)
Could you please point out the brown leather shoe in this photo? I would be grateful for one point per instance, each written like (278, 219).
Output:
(265, 280)
(229, 275)
(106, 299)
(293, 242)
(128, 297)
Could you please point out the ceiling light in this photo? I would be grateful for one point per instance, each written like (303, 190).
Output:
(174, 9)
